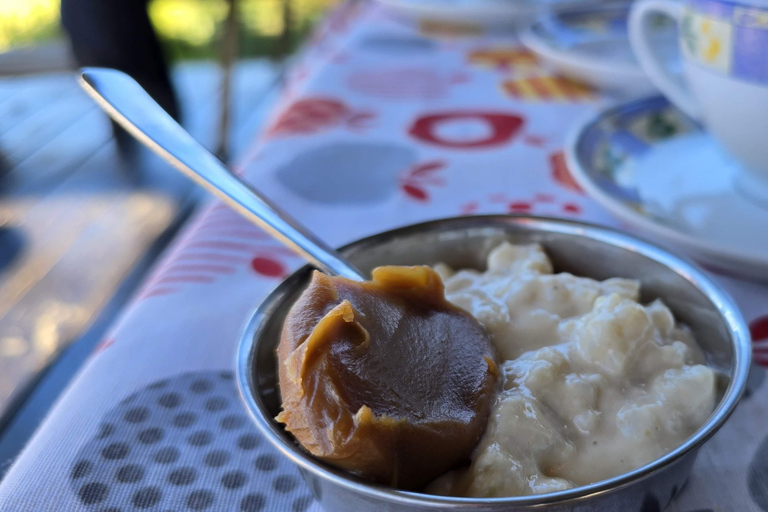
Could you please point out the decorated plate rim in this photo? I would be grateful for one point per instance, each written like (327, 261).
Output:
(584, 176)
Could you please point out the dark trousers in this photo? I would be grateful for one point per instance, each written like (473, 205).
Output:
(118, 34)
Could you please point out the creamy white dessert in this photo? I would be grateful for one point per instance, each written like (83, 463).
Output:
(595, 383)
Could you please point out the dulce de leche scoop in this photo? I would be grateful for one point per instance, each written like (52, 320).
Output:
(385, 378)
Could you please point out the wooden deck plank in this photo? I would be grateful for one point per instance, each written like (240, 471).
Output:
(8, 91)
(62, 154)
(35, 93)
(66, 299)
(45, 125)
(48, 225)
(76, 208)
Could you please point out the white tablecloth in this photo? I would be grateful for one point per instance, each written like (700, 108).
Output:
(381, 124)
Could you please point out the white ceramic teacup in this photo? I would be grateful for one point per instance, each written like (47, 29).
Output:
(724, 45)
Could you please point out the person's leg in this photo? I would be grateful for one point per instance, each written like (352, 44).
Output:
(118, 34)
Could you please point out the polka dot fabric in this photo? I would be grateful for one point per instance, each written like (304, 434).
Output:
(184, 444)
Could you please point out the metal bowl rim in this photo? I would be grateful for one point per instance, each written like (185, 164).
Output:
(739, 335)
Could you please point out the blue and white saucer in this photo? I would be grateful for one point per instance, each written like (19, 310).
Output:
(659, 172)
(590, 44)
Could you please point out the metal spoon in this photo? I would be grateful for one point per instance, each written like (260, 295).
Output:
(130, 106)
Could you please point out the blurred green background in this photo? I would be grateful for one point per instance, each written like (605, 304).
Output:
(189, 29)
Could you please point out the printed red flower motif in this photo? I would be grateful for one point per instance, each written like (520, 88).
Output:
(267, 266)
(222, 243)
(520, 207)
(541, 204)
(314, 114)
(758, 328)
(469, 208)
(572, 208)
(415, 192)
(415, 181)
(103, 345)
(360, 120)
(503, 127)
(561, 174)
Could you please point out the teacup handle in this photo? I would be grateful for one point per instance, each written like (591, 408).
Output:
(640, 37)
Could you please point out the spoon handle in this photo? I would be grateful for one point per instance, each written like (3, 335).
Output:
(129, 105)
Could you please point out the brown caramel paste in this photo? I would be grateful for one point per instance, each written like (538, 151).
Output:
(385, 378)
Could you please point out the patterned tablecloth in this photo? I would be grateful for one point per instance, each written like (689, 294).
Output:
(381, 124)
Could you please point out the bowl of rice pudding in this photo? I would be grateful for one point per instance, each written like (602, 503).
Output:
(617, 361)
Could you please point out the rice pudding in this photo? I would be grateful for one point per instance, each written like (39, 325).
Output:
(594, 384)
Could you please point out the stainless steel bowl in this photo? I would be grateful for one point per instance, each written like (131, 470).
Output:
(581, 249)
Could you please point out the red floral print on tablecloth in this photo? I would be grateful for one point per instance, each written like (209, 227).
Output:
(314, 114)
(537, 204)
(547, 89)
(502, 128)
(469, 208)
(415, 181)
(759, 330)
(561, 174)
(221, 244)
(297, 74)
(268, 267)
(405, 83)
(103, 345)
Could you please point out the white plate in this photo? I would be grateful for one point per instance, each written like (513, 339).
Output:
(590, 44)
(660, 173)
